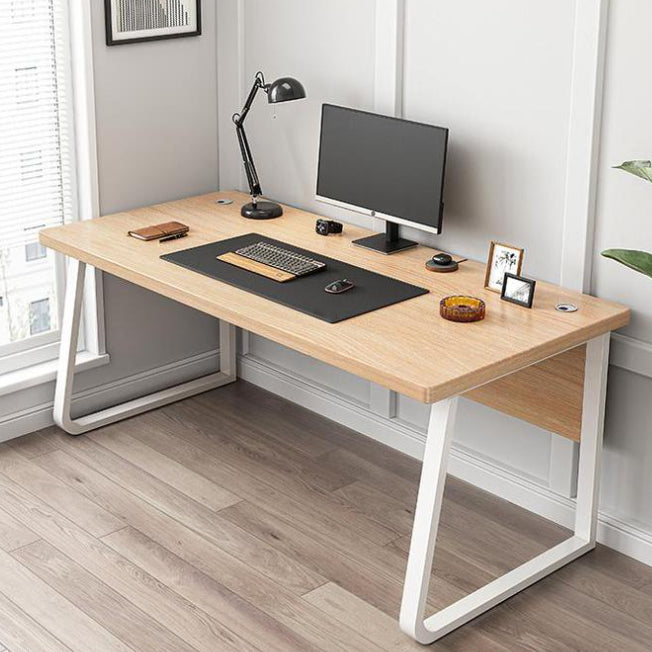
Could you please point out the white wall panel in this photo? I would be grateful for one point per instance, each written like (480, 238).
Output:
(624, 209)
(511, 444)
(319, 373)
(627, 462)
(498, 74)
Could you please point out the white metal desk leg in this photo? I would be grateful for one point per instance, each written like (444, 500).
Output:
(588, 472)
(426, 519)
(433, 474)
(67, 355)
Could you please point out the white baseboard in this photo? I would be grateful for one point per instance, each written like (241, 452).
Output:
(624, 537)
(40, 416)
(631, 354)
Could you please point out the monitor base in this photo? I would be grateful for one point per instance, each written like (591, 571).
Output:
(379, 242)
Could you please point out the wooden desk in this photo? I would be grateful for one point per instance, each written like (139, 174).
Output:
(542, 366)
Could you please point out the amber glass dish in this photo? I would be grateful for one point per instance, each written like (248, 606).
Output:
(464, 309)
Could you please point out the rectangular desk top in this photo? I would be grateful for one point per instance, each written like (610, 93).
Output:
(406, 347)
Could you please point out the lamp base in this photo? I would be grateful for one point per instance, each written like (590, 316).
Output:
(263, 210)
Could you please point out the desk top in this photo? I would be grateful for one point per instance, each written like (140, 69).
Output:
(406, 347)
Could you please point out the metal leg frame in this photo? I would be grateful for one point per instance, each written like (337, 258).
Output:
(426, 630)
(69, 336)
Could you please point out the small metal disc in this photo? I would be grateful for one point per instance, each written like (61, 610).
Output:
(566, 307)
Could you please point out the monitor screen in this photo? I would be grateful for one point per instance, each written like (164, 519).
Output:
(387, 165)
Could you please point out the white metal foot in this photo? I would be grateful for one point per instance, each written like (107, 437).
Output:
(431, 489)
(67, 355)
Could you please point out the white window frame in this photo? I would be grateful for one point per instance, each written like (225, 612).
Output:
(33, 361)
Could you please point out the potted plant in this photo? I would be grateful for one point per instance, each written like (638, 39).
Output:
(641, 261)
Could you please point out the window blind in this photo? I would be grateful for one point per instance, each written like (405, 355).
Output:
(35, 133)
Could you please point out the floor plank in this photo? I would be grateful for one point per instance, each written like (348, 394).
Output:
(361, 616)
(158, 499)
(241, 435)
(246, 620)
(193, 485)
(14, 534)
(36, 443)
(255, 587)
(117, 615)
(381, 585)
(45, 605)
(169, 609)
(22, 633)
(80, 510)
(285, 422)
(263, 468)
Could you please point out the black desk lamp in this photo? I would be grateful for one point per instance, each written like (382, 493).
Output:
(284, 89)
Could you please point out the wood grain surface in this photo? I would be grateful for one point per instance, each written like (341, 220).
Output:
(210, 553)
(406, 347)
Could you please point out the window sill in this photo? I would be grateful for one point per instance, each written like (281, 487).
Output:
(46, 372)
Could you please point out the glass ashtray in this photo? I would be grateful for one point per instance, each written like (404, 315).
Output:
(462, 309)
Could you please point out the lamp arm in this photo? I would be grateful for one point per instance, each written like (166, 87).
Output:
(245, 151)
(248, 160)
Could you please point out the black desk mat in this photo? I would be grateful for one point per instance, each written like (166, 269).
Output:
(306, 294)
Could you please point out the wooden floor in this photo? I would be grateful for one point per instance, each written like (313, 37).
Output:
(238, 521)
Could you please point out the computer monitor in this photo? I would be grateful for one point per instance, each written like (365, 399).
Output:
(384, 167)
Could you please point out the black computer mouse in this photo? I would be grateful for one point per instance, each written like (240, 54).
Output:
(337, 287)
(442, 259)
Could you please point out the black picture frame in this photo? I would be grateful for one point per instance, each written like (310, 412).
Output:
(110, 40)
(528, 281)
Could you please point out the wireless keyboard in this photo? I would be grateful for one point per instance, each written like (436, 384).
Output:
(282, 259)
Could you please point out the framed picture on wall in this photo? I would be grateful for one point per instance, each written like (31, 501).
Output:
(135, 21)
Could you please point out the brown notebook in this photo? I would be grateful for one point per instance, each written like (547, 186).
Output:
(157, 231)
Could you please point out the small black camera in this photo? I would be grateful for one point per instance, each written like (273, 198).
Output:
(326, 227)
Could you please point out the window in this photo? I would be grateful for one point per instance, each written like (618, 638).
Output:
(48, 176)
(39, 316)
(35, 162)
(35, 251)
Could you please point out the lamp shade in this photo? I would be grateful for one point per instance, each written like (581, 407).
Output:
(285, 89)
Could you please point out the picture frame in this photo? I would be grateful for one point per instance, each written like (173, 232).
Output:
(518, 290)
(503, 258)
(138, 21)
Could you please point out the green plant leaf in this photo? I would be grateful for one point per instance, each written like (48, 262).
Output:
(642, 169)
(641, 261)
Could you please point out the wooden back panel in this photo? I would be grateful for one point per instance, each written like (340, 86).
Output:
(548, 394)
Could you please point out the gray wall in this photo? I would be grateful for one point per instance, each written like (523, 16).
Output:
(156, 111)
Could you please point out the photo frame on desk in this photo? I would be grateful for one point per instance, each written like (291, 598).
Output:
(137, 21)
(503, 259)
(518, 290)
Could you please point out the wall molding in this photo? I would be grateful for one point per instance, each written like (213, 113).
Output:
(465, 464)
(85, 401)
(389, 65)
(585, 121)
(631, 354)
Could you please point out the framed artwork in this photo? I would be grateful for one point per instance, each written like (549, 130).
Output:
(518, 290)
(134, 21)
(503, 259)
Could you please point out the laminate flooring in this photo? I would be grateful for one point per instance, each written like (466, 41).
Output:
(236, 520)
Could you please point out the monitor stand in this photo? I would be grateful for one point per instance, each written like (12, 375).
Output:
(386, 243)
